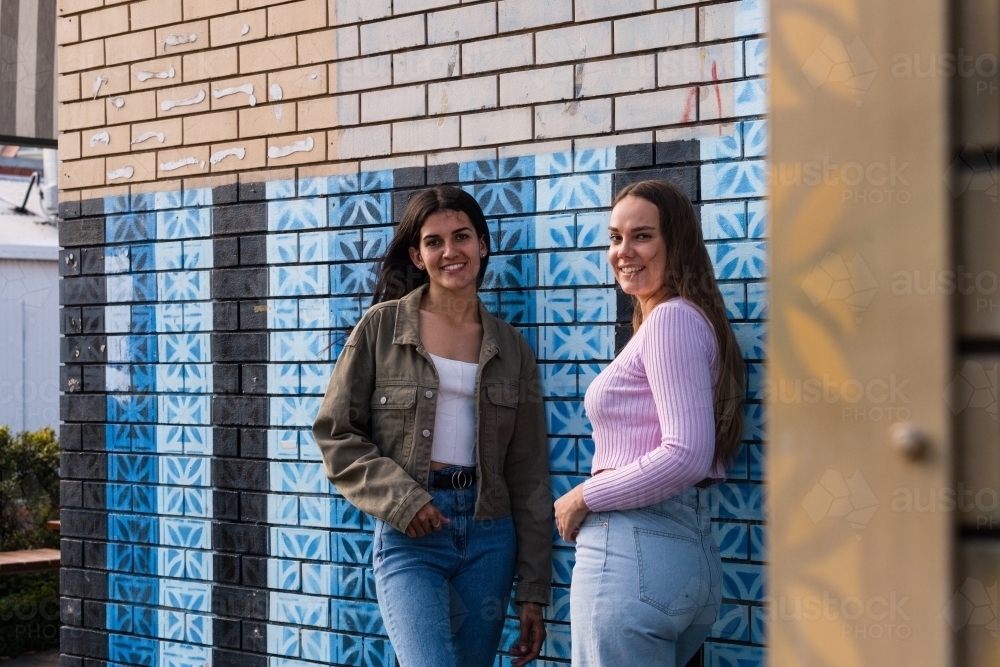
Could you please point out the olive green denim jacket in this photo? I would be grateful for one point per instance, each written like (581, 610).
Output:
(375, 430)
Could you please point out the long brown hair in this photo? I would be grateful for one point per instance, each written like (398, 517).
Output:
(689, 275)
(397, 275)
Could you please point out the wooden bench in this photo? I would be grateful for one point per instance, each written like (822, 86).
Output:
(28, 561)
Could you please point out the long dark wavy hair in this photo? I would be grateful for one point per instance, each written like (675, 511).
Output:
(397, 275)
(689, 275)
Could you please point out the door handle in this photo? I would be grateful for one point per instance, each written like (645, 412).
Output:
(909, 440)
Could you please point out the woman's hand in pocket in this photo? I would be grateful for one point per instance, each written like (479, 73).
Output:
(427, 520)
(570, 511)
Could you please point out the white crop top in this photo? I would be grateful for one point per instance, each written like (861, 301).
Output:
(455, 419)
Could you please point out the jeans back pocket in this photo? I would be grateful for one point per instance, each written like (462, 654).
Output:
(673, 574)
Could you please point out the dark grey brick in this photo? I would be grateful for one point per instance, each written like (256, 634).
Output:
(226, 251)
(88, 231)
(83, 349)
(78, 408)
(253, 250)
(69, 262)
(232, 347)
(239, 219)
(239, 283)
(81, 291)
(634, 155)
(678, 152)
(442, 173)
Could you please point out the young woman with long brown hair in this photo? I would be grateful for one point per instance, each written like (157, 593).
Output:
(668, 418)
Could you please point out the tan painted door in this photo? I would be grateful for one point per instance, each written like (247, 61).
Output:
(861, 573)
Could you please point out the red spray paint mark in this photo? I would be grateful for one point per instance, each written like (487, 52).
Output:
(689, 105)
(718, 92)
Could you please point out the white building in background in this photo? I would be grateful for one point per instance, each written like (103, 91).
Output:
(29, 312)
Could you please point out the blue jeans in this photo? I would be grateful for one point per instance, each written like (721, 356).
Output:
(443, 596)
(647, 585)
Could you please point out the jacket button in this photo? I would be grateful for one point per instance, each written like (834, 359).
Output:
(429, 394)
(427, 433)
(382, 400)
(420, 479)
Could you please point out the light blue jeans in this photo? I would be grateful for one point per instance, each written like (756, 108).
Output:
(443, 596)
(647, 585)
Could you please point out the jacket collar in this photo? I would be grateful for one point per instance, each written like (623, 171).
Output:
(407, 329)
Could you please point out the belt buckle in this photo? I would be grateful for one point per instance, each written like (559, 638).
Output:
(461, 479)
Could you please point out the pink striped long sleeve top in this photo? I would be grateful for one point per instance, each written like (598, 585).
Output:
(653, 413)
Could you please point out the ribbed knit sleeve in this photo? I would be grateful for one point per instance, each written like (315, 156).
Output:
(675, 351)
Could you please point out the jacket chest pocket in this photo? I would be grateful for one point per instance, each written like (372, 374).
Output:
(498, 422)
(392, 412)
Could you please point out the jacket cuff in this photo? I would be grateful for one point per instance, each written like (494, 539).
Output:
(402, 516)
(540, 593)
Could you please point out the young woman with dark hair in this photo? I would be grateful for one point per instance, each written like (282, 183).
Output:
(667, 415)
(433, 424)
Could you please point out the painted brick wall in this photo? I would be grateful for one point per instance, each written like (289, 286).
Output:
(231, 172)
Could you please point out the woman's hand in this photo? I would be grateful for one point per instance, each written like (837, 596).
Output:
(529, 644)
(571, 510)
(426, 521)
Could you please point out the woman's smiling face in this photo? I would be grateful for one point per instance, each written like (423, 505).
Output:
(638, 252)
(449, 251)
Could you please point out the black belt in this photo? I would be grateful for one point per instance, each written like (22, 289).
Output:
(452, 478)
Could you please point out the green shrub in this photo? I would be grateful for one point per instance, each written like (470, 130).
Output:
(29, 489)
(29, 613)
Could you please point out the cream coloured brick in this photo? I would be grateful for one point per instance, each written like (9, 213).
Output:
(654, 31)
(235, 28)
(536, 85)
(295, 83)
(464, 23)
(430, 134)
(322, 47)
(329, 112)
(113, 81)
(268, 120)
(138, 106)
(130, 47)
(69, 146)
(201, 9)
(205, 128)
(153, 13)
(665, 107)
(69, 87)
(360, 74)
(353, 11)
(358, 142)
(496, 127)
(426, 64)
(143, 167)
(722, 100)
(111, 21)
(89, 113)
(69, 195)
(254, 155)
(211, 64)
(65, 7)
(704, 63)
(267, 55)
(500, 53)
(729, 20)
(330, 169)
(304, 148)
(296, 17)
(396, 162)
(393, 103)
(588, 10)
(68, 30)
(410, 6)
(209, 182)
(256, 4)
(392, 35)
(183, 100)
(458, 157)
(75, 57)
(156, 73)
(618, 75)
(462, 95)
(521, 14)
(183, 161)
(574, 43)
(182, 38)
(224, 98)
(81, 174)
(168, 128)
(573, 119)
(117, 139)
